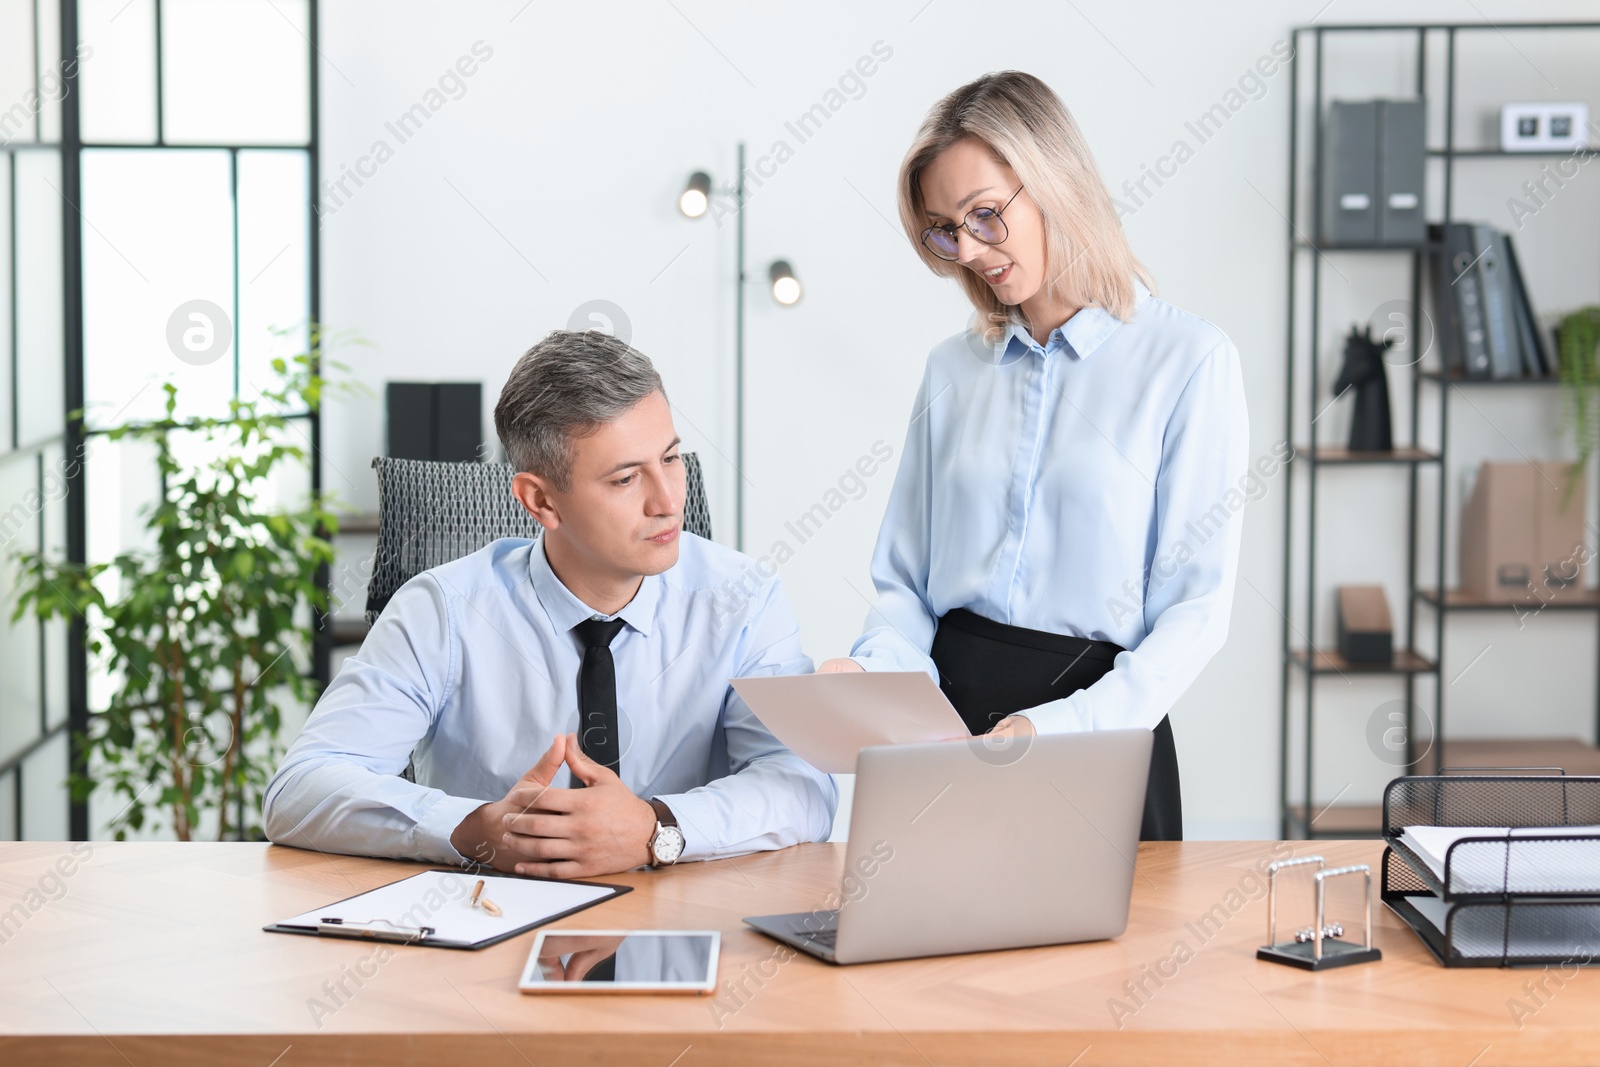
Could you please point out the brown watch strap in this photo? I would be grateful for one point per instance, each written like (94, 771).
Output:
(664, 814)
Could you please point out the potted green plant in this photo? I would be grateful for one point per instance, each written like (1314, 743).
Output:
(1578, 345)
(207, 633)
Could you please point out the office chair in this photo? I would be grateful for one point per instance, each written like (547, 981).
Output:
(430, 513)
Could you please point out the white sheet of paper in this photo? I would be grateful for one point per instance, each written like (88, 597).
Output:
(1488, 869)
(442, 900)
(1432, 908)
(827, 718)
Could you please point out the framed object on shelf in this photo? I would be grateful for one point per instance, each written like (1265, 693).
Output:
(1544, 126)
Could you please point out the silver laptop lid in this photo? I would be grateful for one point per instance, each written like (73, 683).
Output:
(968, 846)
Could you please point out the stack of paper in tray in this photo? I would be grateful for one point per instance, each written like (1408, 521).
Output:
(1496, 868)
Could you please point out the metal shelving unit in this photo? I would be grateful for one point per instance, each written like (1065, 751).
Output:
(1302, 660)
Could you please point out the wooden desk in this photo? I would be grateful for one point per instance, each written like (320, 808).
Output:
(153, 953)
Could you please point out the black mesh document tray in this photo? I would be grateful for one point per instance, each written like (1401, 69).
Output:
(1522, 887)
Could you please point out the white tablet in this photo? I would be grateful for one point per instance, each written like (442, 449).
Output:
(622, 961)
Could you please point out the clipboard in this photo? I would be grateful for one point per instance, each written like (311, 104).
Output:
(433, 908)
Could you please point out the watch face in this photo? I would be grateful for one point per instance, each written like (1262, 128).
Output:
(669, 844)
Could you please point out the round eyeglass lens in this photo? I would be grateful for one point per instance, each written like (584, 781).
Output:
(943, 243)
(986, 226)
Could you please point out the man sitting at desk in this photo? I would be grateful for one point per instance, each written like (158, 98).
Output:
(601, 645)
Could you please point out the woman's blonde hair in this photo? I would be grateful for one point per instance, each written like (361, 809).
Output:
(1026, 126)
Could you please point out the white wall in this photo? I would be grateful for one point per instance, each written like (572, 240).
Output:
(552, 181)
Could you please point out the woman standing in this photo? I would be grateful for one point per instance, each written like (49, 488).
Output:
(1060, 546)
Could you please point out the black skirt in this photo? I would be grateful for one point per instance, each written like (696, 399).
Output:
(989, 670)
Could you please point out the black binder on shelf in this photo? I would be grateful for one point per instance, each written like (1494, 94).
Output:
(1499, 315)
(1536, 359)
(1457, 301)
(1496, 870)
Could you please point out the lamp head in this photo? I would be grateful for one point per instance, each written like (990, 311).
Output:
(696, 195)
(785, 286)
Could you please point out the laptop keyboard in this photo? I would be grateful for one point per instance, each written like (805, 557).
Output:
(827, 936)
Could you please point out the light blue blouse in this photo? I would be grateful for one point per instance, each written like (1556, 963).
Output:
(1092, 486)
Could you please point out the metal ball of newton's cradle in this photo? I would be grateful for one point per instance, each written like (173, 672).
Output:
(1308, 934)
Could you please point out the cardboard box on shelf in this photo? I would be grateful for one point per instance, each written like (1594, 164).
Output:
(1366, 632)
(1519, 544)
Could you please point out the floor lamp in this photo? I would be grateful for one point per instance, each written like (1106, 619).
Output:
(694, 202)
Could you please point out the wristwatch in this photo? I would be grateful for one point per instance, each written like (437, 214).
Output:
(667, 843)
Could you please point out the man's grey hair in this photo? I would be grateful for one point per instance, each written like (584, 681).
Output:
(565, 387)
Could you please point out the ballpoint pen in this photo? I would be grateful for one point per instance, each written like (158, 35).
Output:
(488, 905)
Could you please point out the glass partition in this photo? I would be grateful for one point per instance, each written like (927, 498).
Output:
(156, 225)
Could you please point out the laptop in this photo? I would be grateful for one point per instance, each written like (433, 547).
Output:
(982, 844)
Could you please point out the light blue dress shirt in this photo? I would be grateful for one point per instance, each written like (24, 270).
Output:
(1091, 487)
(473, 667)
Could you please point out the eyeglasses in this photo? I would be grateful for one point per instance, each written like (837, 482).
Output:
(983, 223)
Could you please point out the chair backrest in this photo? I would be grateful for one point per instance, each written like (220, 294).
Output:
(430, 513)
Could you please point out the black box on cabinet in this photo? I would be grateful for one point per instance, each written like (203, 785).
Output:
(434, 421)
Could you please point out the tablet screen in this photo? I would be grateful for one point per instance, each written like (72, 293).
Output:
(592, 961)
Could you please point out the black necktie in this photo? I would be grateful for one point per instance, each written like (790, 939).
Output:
(597, 693)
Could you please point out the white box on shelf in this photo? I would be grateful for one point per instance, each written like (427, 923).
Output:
(1544, 126)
